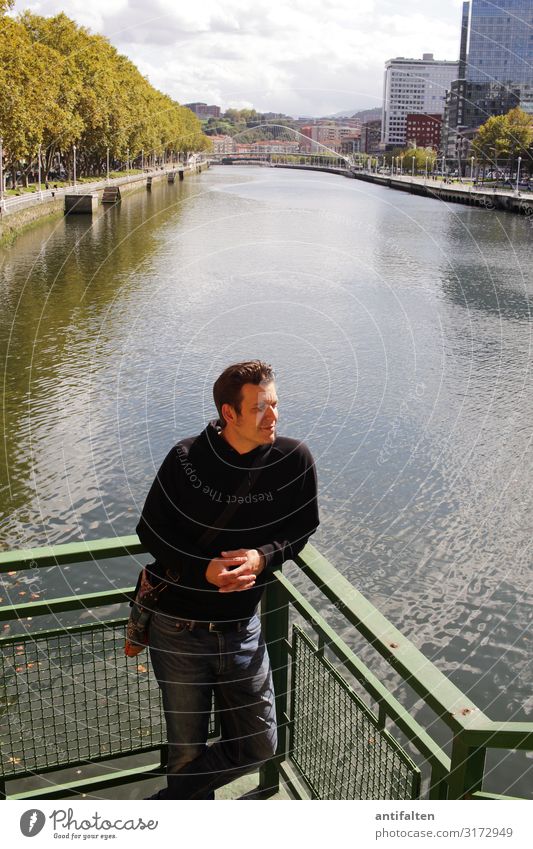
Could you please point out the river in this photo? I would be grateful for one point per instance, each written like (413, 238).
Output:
(400, 331)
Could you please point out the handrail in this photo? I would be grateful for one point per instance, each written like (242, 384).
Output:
(453, 707)
(420, 673)
(71, 552)
(473, 732)
(10, 203)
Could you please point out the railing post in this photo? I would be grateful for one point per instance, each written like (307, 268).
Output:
(438, 788)
(275, 611)
(466, 769)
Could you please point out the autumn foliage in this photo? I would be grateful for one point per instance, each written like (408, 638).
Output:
(61, 85)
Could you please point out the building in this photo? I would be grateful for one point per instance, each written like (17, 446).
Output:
(337, 137)
(202, 110)
(223, 144)
(413, 86)
(495, 67)
(371, 137)
(424, 130)
(266, 147)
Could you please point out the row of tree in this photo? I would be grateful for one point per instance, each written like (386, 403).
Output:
(420, 155)
(61, 86)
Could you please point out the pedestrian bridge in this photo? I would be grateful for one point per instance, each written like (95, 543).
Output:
(71, 703)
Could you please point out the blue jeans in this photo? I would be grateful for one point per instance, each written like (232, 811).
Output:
(190, 666)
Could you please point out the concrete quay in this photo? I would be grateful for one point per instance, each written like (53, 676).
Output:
(507, 201)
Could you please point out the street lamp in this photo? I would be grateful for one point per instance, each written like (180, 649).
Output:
(426, 167)
(413, 166)
(518, 173)
(472, 168)
(401, 166)
(107, 164)
(128, 161)
(142, 161)
(39, 168)
(74, 153)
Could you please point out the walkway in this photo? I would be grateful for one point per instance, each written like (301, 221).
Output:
(17, 202)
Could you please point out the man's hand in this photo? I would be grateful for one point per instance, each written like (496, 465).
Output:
(235, 570)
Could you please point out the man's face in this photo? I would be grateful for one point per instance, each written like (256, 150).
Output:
(256, 423)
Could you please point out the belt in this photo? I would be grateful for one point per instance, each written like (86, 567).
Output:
(191, 624)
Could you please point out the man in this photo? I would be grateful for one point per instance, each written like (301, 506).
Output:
(226, 508)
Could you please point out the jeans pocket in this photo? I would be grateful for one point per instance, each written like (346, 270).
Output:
(169, 627)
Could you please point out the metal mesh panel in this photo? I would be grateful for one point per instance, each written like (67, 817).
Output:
(336, 742)
(70, 697)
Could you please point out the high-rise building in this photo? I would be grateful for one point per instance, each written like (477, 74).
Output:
(495, 67)
(413, 85)
(500, 46)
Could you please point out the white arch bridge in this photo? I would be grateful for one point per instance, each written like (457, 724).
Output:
(277, 145)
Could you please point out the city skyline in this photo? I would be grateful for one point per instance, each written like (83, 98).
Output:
(312, 58)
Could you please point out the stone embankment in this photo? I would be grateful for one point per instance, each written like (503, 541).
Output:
(25, 211)
(487, 198)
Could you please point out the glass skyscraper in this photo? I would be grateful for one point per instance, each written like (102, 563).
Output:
(500, 48)
(495, 68)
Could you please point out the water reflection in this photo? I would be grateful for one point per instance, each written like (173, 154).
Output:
(399, 328)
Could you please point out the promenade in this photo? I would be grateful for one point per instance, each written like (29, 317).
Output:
(488, 197)
(508, 200)
(9, 205)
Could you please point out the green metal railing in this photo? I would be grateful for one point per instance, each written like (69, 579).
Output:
(69, 697)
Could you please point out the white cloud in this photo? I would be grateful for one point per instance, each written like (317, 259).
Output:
(302, 57)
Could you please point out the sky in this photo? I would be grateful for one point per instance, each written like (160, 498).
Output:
(303, 57)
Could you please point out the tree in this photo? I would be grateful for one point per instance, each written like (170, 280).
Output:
(491, 141)
(520, 134)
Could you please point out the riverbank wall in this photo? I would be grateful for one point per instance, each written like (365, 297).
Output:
(455, 193)
(18, 222)
(450, 192)
(15, 222)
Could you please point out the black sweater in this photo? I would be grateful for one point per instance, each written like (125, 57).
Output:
(197, 480)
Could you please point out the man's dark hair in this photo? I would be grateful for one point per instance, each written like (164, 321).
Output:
(228, 387)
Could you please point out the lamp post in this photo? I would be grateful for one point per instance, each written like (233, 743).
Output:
(401, 166)
(74, 154)
(413, 166)
(39, 169)
(128, 161)
(142, 161)
(107, 164)
(426, 167)
(518, 173)
(1, 172)
(472, 168)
